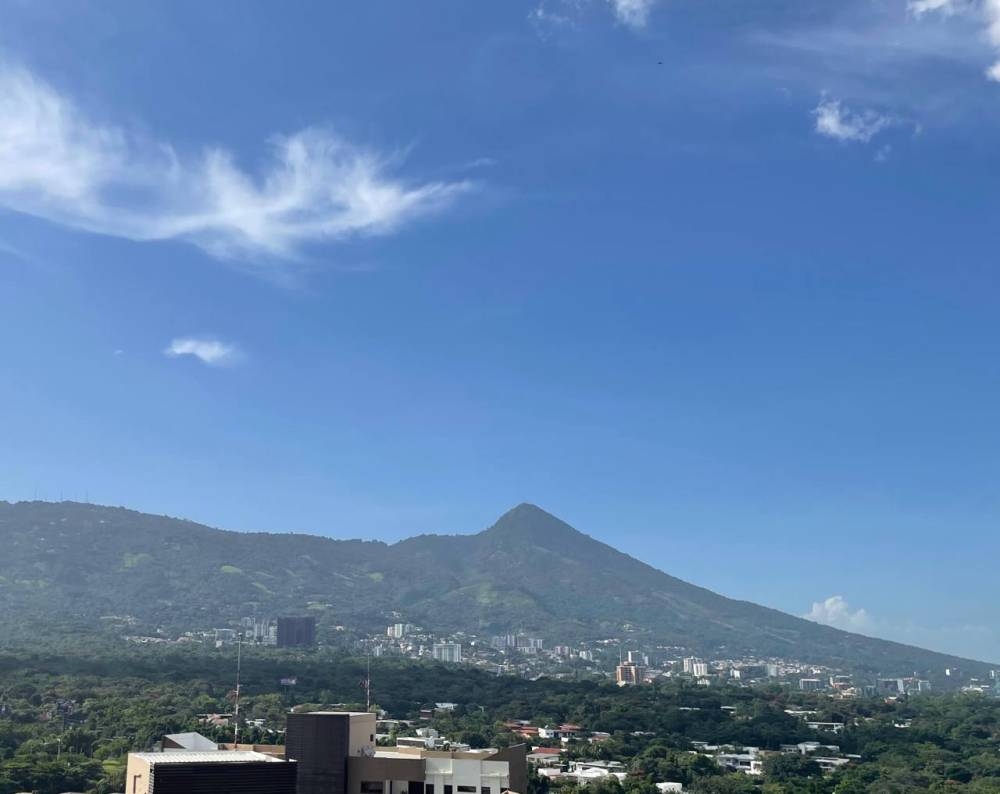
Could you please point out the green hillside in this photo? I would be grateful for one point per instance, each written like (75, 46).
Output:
(68, 565)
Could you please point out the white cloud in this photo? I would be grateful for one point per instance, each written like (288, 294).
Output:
(546, 21)
(834, 120)
(634, 13)
(207, 350)
(987, 12)
(836, 612)
(920, 7)
(57, 164)
(970, 640)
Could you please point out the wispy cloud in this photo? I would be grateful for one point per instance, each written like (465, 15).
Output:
(57, 164)
(634, 13)
(835, 611)
(547, 21)
(921, 7)
(209, 351)
(559, 16)
(834, 120)
(987, 12)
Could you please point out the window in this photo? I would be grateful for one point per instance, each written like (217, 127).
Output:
(447, 789)
(486, 790)
(467, 789)
(429, 788)
(371, 787)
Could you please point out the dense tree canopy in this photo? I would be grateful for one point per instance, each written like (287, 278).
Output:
(67, 720)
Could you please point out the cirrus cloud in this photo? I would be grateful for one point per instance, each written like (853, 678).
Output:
(987, 12)
(315, 186)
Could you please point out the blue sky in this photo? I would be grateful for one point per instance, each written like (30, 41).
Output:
(714, 282)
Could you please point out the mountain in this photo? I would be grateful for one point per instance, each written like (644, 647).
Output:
(67, 565)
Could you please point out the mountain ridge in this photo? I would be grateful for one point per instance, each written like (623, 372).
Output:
(529, 570)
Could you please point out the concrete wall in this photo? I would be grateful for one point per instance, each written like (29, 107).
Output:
(362, 737)
(137, 776)
(394, 773)
(517, 758)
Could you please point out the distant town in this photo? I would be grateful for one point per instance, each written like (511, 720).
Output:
(617, 658)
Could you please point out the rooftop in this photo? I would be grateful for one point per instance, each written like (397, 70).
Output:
(207, 757)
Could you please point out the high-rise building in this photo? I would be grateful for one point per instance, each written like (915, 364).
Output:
(296, 632)
(322, 741)
(399, 630)
(326, 752)
(629, 674)
(699, 669)
(447, 652)
(689, 663)
(890, 686)
(336, 754)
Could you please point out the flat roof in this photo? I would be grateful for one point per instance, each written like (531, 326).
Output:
(207, 757)
(484, 754)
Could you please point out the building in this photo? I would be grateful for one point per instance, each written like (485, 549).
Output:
(748, 763)
(225, 637)
(209, 772)
(399, 630)
(296, 632)
(810, 684)
(890, 686)
(187, 741)
(688, 664)
(447, 652)
(699, 669)
(829, 727)
(336, 754)
(629, 674)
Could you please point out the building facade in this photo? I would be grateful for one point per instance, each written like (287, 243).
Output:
(211, 772)
(447, 652)
(296, 632)
(336, 754)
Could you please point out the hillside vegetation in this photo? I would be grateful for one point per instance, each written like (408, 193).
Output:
(65, 565)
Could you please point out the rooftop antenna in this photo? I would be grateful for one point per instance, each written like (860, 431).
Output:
(236, 712)
(368, 682)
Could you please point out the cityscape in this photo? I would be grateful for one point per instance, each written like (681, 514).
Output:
(528, 657)
(512, 397)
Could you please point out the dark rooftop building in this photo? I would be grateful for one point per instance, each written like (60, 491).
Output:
(209, 772)
(296, 632)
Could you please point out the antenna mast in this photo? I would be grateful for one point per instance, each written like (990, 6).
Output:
(236, 712)
(368, 682)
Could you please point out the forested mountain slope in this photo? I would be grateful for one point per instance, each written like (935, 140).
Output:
(69, 564)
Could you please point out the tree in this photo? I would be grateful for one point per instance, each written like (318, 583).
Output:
(786, 768)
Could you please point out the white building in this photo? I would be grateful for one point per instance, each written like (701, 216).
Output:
(447, 652)
(699, 669)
